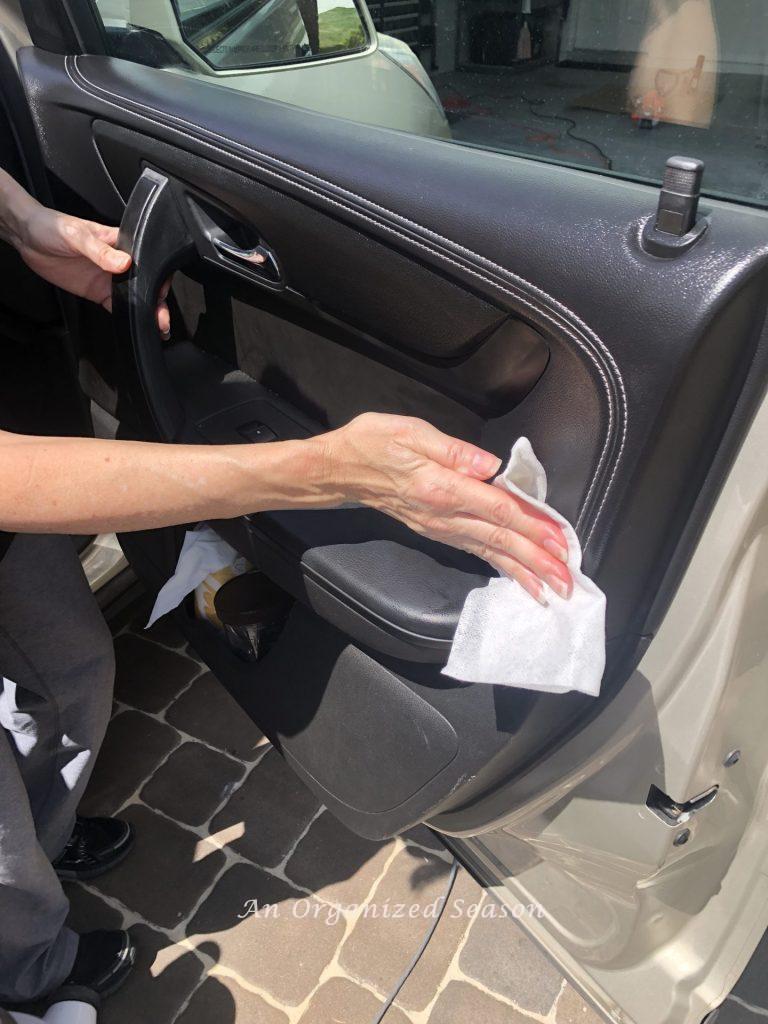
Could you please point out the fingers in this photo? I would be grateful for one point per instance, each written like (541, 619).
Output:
(515, 570)
(450, 452)
(94, 247)
(105, 232)
(508, 550)
(163, 312)
(499, 527)
(437, 486)
(497, 508)
(164, 320)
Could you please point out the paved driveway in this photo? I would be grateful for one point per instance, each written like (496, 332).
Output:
(251, 904)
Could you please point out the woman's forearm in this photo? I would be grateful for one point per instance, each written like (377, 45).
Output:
(86, 485)
(16, 205)
(403, 467)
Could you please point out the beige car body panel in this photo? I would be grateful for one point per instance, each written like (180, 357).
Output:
(370, 87)
(653, 932)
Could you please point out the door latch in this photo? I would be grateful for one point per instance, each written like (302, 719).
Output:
(672, 812)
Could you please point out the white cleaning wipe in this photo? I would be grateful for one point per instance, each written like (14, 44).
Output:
(202, 553)
(505, 636)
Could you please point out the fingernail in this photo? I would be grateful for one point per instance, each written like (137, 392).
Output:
(532, 587)
(485, 463)
(556, 549)
(559, 587)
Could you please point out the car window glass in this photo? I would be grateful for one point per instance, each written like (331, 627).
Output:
(613, 86)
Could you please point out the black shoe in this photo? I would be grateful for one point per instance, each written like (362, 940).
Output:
(103, 962)
(95, 846)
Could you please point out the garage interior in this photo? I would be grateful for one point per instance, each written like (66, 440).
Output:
(618, 85)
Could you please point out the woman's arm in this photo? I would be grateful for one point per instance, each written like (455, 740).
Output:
(16, 205)
(74, 254)
(401, 466)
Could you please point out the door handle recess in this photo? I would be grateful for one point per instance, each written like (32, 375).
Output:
(260, 257)
(225, 240)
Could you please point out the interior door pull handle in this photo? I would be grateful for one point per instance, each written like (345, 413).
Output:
(225, 241)
(258, 255)
(260, 260)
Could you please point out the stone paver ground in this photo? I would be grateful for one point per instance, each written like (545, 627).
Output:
(251, 904)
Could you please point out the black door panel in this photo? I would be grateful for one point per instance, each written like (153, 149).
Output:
(495, 297)
(370, 577)
(435, 333)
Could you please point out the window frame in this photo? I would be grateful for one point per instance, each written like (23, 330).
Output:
(65, 26)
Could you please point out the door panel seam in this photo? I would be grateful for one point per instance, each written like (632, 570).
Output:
(555, 307)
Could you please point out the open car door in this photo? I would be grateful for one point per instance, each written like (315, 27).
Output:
(495, 297)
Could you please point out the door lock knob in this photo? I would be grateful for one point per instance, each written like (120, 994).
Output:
(675, 228)
(679, 196)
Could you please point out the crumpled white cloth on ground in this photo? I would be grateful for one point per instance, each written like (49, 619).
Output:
(505, 636)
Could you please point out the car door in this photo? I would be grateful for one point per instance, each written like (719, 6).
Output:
(496, 295)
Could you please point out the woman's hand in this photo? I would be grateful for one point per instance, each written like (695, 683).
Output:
(435, 484)
(77, 255)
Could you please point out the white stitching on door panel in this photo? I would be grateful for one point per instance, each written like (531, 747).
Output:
(379, 224)
(264, 167)
(367, 202)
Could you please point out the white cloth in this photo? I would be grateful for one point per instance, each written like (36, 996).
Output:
(202, 553)
(505, 636)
